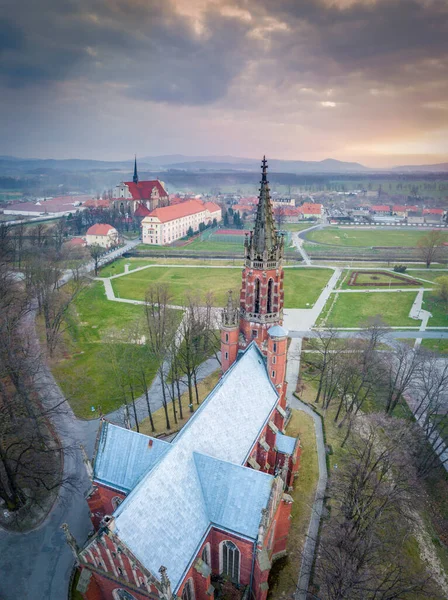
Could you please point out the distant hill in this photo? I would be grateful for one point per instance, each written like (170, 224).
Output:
(232, 163)
(439, 168)
(12, 166)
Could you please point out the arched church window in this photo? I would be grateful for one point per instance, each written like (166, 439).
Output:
(122, 595)
(270, 295)
(230, 561)
(257, 296)
(188, 591)
(206, 554)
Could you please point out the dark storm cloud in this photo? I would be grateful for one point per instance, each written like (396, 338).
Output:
(377, 38)
(157, 55)
(148, 48)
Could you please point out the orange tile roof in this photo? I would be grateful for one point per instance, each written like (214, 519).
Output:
(433, 211)
(311, 208)
(212, 206)
(99, 229)
(177, 211)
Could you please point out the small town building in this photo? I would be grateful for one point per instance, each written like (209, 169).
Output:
(102, 234)
(400, 210)
(434, 216)
(52, 207)
(381, 209)
(311, 210)
(415, 217)
(170, 223)
(127, 196)
(180, 520)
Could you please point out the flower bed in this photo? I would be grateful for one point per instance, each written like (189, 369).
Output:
(392, 278)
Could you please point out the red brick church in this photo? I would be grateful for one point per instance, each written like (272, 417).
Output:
(205, 515)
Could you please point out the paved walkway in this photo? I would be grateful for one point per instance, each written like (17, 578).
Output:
(303, 319)
(292, 374)
(417, 312)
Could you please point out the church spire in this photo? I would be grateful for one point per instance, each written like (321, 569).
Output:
(135, 178)
(264, 242)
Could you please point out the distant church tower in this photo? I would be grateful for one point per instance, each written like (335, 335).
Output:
(261, 297)
(135, 178)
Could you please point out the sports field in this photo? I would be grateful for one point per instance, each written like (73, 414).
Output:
(367, 238)
(302, 285)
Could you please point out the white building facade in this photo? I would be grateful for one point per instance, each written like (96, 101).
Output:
(166, 225)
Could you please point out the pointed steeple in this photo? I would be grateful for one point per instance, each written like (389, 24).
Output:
(264, 242)
(135, 178)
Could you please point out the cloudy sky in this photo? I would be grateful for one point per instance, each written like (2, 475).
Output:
(362, 80)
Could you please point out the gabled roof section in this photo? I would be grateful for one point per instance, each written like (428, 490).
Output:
(141, 211)
(123, 456)
(233, 495)
(143, 189)
(285, 444)
(164, 519)
(100, 229)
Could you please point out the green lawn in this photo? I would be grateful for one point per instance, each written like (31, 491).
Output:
(439, 313)
(302, 285)
(199, 245)
(351, 236)
(297, 226)
(440, 346)
(82, 369)
(284, 574)
(351, 310)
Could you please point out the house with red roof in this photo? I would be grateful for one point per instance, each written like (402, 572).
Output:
(170, 223)
(102, 234)
(127, 196)
(400, 210)
(311, 210)
(381, 209)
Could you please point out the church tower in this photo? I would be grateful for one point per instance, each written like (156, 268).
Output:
(261, 296)
(135, 178)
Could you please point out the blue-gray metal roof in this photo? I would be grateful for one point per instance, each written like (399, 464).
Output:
(284, 443)
(233, 495)
(124, 456)
(164, 518)
(277, 331)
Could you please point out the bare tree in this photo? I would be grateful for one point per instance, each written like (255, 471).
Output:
(96, 252)
(430, 245)
(372, 488)
(161, 325)
(400, 369)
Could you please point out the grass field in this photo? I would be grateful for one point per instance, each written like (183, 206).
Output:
(351, 310)
(302, 285)
(439, 314)
(284, 573)
(354, 237)
(297, 226)
(82, 370)
(440, 346)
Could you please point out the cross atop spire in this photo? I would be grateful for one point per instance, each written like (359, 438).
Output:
(264, 170)
(135, 178)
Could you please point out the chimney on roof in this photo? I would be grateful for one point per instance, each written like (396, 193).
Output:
(135, 178)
